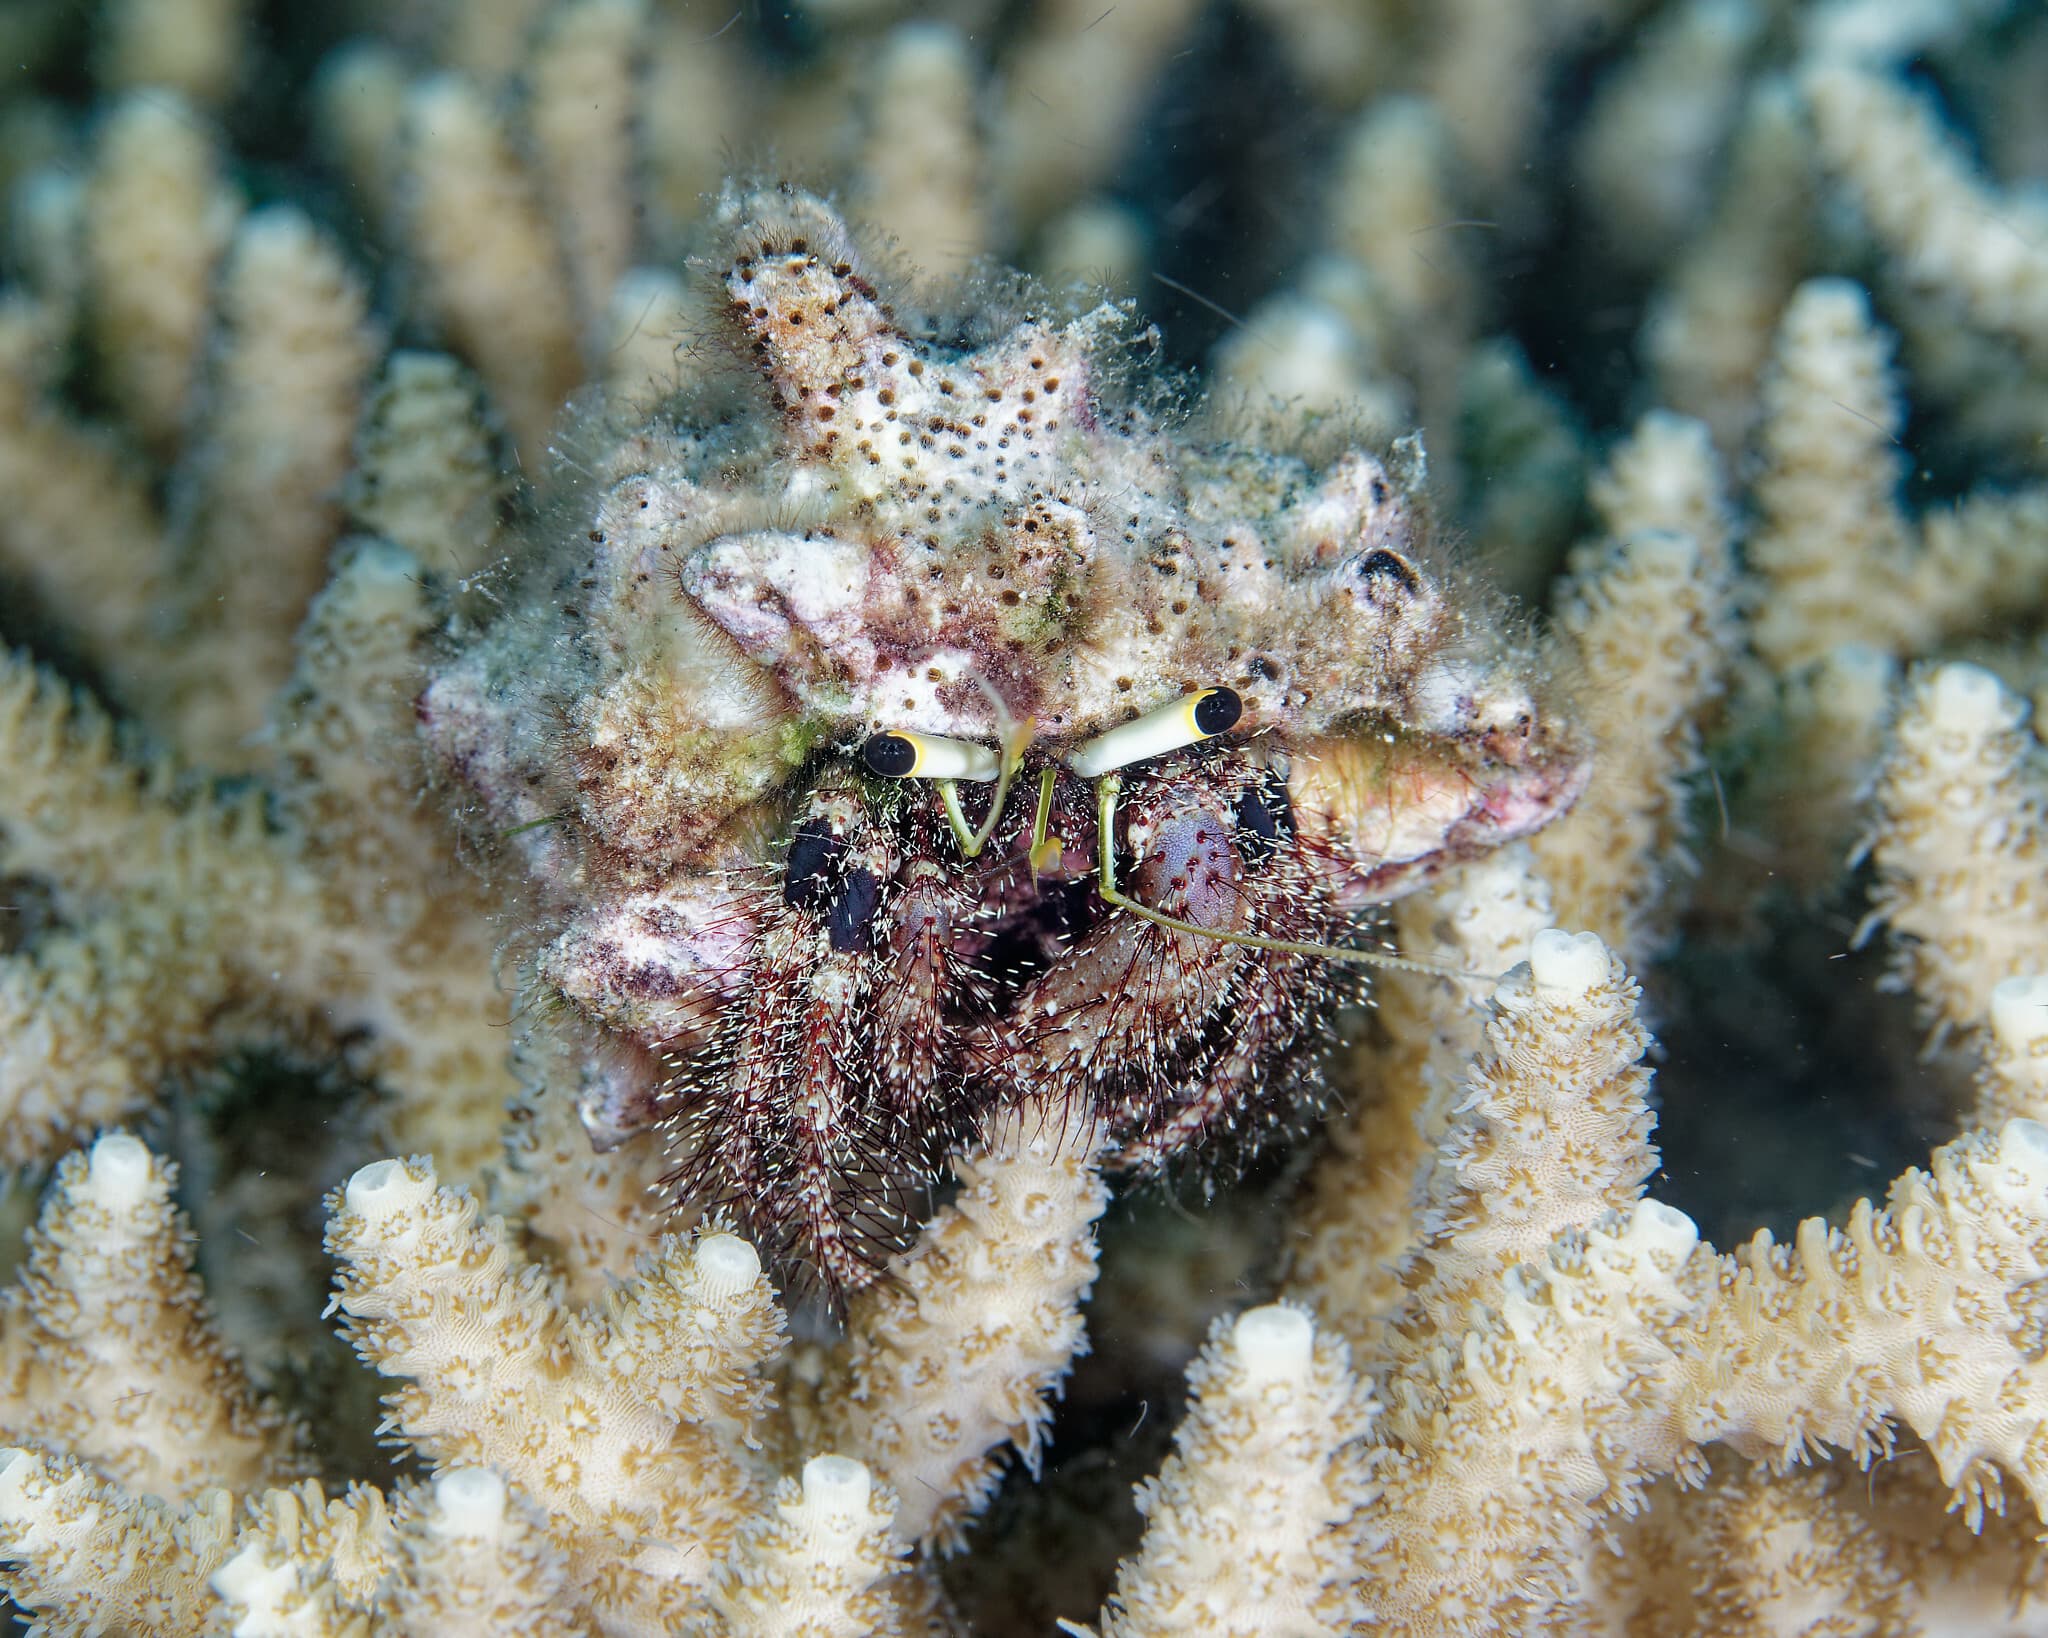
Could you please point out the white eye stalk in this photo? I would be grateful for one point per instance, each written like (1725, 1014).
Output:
(901, 755)
(1187, 721)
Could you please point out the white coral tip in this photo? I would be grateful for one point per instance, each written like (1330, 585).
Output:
(1566, 964)
(2023, 1148)
(2019, 1012)
(837, 1487)
(471, 1503)
(118, 1171)
(250, 1578)
(1654, 1226)
(1967, 699)
(726, 1265)
(384, 1188)
(1275, 1343)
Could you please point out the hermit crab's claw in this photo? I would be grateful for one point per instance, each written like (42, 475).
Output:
(1390, 805)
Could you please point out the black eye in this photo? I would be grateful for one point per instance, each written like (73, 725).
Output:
(892, 756)
(1217, 711)
(1387, 575)
(814, 854)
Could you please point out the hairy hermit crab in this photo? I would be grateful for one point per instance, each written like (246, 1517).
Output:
(958, 734)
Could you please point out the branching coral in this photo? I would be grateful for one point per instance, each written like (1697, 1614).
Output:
(194, 916)
(612, 1468)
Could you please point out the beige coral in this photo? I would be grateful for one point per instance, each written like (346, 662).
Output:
(196, 919)
(1957, 837)
(1535, 1372)
(951, 1361)
(107, 1351)
(1650, 614)
(634, 1419)
(1241, 1520)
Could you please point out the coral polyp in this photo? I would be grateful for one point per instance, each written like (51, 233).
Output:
(1184, 708)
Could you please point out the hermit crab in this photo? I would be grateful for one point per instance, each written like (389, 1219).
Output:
(956, 733)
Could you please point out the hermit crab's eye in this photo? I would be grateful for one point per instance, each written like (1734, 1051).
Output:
(899, 755)
(1187, 721)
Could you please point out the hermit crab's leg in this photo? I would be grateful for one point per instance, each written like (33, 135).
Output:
(781, 1118)
(1118, 1015)
(832, 1198)
(923, 977)
(1273, 1004)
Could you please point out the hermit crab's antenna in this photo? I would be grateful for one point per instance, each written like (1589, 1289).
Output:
(898, 754)
(1106, 791)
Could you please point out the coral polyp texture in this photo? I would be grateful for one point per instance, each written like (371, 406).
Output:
(986, 563)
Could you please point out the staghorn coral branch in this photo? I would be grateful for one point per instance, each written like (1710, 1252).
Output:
(200, 917)
(1951, 234)
(1958, 838)
(1927, 1311)
(1240, 1536)
(475, 1556)
(108, 1351)
(817, 1563)
(1651, 616)
(88, 1559)
(283, 391)
(951, 1361)
(633, 1418)
(1358, 1220)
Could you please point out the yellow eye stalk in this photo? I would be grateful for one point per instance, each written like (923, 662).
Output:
(901, 755)
(1186, 721)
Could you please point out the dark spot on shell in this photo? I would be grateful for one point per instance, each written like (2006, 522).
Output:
(1388, 574)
